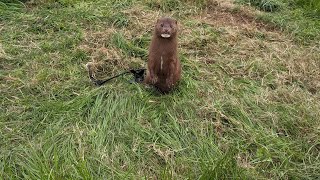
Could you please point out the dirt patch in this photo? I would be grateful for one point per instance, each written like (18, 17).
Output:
(227, 14)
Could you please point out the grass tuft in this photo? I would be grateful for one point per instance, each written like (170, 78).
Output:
(266, 5)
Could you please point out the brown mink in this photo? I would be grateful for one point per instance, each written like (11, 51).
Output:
(164, 69)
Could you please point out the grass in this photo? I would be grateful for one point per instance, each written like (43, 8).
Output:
(298, 17)
(246, 108)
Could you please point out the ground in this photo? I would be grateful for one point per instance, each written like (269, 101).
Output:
(247, 106)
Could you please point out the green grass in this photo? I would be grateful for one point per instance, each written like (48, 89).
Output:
(298, 17)
(247, 106)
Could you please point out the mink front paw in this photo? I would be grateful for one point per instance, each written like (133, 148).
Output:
(169, 82)
(154, 79)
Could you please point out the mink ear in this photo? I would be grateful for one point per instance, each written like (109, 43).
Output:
(176, 21)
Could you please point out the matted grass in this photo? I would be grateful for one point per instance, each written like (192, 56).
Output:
(247, 106)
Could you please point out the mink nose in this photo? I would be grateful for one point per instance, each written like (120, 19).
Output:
(166, 30)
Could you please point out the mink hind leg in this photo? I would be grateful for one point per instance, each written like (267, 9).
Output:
(147, 79)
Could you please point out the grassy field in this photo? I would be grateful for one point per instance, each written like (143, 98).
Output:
(248, 106)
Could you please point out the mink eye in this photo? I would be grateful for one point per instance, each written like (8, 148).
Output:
(162, 25)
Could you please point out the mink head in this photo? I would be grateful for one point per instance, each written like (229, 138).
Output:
(166, 28)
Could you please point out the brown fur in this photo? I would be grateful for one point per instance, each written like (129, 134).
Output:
(164, 69)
